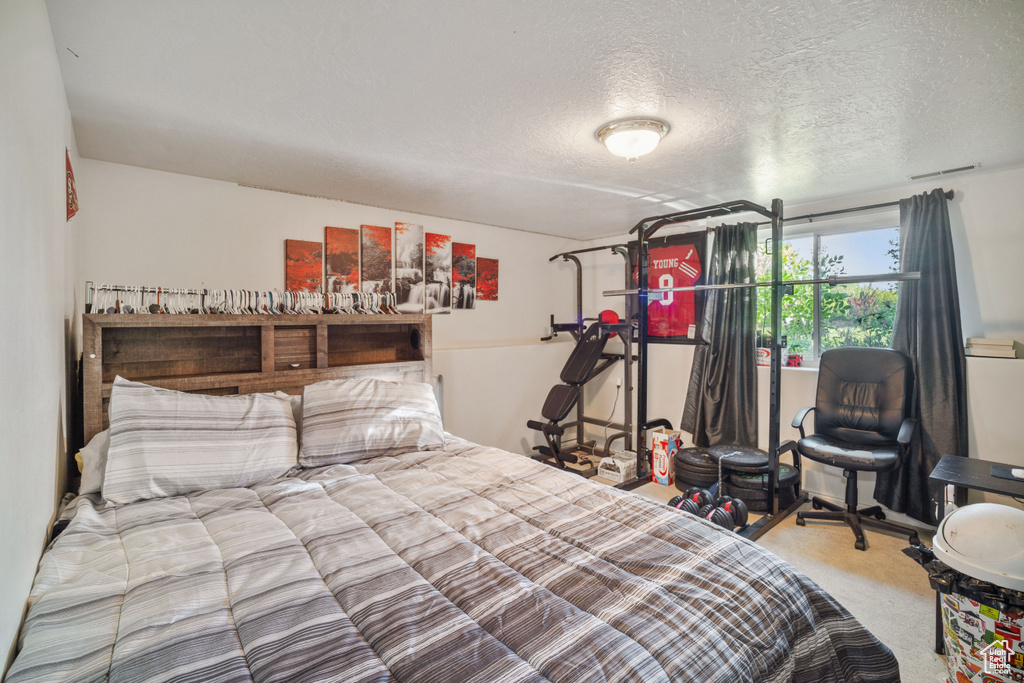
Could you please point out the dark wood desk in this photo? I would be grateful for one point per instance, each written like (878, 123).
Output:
(964, 474)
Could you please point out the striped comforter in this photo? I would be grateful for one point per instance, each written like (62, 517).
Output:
(468, 565)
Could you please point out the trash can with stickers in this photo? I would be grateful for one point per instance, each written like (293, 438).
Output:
(977, 564)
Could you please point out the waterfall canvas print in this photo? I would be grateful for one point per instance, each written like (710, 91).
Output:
(463, 275)
(487, 279)
(375, 263)
(438, 294)
(303, 265)
(341, 260)
(409, 267)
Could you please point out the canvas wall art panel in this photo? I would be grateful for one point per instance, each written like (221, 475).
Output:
(487, 279)
(341, 260)
(72, 192)
(409, 284)
(303, 265)
(375, 259)
(438, 273)
(463, 275)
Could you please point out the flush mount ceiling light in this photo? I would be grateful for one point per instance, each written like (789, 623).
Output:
(632, 138)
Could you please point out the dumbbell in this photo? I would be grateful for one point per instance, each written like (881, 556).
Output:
(692, 500)
(729, 513)
(684, 504)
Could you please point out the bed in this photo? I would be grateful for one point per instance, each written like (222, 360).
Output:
(412, 556)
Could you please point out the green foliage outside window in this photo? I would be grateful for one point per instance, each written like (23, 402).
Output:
(851, 314)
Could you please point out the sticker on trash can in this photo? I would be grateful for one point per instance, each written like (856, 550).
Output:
(983, 645)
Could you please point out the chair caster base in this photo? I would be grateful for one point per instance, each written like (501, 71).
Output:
(860, 545)
(800, 521)
(816, 505)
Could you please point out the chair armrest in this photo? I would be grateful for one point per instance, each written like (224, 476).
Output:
(798, 421)
(906, 431)
(790, 446)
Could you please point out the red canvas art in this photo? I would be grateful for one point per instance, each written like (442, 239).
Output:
(341, 260)
(303, 265)
(487, 279)
(375, 245)
(463, 275)
(72, 192)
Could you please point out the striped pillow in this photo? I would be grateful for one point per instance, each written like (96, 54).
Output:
(166, 443)
(354, 419)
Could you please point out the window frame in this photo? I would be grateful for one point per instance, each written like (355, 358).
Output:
(886, 219)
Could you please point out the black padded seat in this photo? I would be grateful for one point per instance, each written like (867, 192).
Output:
(837, 453)
(559, 402)
(739, 458)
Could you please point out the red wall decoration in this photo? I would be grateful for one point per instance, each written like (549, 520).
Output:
(303, 265)
(375, 259)
(487, 279)
(341, 260)
(72, 192)
(463, 275)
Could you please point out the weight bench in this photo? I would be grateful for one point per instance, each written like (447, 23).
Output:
(581, 367)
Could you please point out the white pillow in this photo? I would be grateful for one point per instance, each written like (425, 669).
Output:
(94, 461)
(296, 402)
(166, 443)
(353, 419)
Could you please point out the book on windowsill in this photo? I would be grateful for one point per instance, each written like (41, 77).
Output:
(991, 352)
(989, 343)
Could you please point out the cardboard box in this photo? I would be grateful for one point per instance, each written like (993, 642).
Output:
(618, 468)
(664, 445)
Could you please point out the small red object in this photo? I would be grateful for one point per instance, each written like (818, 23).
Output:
(610, 317)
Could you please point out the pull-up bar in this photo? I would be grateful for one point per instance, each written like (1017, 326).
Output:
(832, 281)
(724, 209)
(564, 254)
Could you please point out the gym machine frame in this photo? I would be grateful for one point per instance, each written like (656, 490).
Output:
(624, 332)
(646, 229)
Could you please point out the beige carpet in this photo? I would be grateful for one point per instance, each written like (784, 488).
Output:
(883, 588)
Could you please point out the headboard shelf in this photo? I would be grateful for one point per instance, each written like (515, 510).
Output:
(229, 354)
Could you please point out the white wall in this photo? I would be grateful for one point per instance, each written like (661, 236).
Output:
(37, 268)
(987, 222)
(163, 229)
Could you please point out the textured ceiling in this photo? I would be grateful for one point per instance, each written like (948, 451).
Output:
(486, 111)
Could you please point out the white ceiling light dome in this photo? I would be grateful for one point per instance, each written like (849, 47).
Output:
(632, 138)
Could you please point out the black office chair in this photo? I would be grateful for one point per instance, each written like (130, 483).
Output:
(860, 425)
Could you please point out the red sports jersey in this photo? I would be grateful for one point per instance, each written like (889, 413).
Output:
(672, 266)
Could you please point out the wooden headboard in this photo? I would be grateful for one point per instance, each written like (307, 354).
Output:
(240, 354)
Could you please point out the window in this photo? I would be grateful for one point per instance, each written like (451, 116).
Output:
(820, 317)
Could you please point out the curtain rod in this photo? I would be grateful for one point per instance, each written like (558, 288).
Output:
(811, 216)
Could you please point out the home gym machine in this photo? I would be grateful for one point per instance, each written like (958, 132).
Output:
(587, 361)
(646, 229)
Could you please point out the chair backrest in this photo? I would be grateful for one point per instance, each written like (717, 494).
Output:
(863, 394)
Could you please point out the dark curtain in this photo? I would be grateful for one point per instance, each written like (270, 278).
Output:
(927, 329)
(721, 401)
